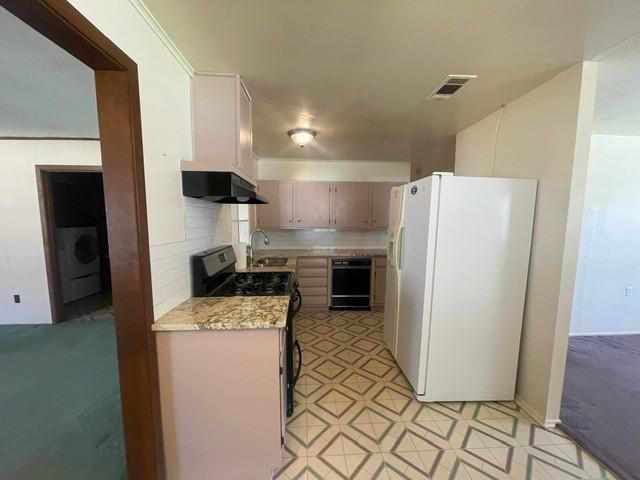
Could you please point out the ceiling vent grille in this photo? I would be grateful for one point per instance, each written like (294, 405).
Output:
(450, 85)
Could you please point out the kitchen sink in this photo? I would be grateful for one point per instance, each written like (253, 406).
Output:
(271, 262)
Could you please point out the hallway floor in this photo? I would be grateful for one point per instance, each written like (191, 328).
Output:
(356, 418)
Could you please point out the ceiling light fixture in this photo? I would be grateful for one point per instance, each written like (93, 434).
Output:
(301, 136)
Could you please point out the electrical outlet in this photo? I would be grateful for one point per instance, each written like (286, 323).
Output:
(16, 299)
(628, 291)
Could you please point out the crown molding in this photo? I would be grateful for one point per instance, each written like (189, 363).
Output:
(160, 32)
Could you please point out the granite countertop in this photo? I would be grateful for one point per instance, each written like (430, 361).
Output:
(245, 313)
(225, 313)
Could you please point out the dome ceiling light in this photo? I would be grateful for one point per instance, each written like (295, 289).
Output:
(301, 136)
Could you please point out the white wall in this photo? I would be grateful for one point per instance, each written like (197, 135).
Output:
(433, 155)
(164, 79)
(543, 135)
(22, 267)
(331, 171)
(165, 109)
(38, 80)
(609, 260)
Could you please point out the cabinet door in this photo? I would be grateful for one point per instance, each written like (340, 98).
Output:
(311, 204)
(214, 103)
(245, 135)
(380, 193)
(278, 213)
(351, 205)
(379, 285)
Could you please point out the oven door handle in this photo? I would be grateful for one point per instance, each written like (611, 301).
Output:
(352, 267)
(297, 301)
(295, 379)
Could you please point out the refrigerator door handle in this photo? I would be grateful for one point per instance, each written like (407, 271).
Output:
(399, 248)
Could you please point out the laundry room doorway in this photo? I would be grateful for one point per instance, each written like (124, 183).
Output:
(74, 225)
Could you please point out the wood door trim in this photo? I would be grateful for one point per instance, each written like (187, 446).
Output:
(120, 134)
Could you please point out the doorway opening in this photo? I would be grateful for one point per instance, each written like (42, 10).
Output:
(601, 397)
(76, 241)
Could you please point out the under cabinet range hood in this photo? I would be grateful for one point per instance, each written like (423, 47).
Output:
(219, 187)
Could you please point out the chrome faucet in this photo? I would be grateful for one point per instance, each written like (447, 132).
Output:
(250, 248)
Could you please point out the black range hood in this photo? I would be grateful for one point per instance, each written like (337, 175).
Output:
(219, 187)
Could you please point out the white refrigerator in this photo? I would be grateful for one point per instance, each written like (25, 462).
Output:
(458, 259)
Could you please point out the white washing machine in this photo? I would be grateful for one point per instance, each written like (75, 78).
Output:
(79, 260)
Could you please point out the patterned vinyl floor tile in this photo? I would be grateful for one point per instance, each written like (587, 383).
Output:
(356, 418)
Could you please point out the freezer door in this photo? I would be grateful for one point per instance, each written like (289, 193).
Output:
(415, 258)
(484, 240)
(391, 289)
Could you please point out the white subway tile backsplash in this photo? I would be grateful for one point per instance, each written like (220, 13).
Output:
(206, 225)
(282, 239)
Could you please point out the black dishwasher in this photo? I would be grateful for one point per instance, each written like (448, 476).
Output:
(351, 283)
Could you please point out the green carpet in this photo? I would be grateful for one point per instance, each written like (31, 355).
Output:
(60, 412)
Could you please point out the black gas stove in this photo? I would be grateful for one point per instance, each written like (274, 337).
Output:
(213, 275)
(255, 283)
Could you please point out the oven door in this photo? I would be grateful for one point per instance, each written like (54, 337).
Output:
(294, 351)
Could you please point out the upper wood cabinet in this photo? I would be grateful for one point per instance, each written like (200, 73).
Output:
(278, 213)
(324, 204)
(351, 202)
(380, 193)
(311, 204)
(222, 125)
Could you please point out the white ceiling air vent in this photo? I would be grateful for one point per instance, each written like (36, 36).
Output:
(450, 85)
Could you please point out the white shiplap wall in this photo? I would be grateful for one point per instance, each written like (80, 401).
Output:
(206, 225)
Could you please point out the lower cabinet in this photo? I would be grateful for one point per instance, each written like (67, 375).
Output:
(378, 282)
(222, 395)
(313, 275)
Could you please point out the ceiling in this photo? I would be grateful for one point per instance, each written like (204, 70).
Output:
(617, 108)
(38, 82)
(358, 71)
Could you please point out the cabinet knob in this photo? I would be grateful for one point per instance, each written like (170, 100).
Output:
(299, 220)
(290, 220)
(366, 221)
(373, 221)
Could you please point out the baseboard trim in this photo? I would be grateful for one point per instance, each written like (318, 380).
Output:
(603, 334)
(539, 419)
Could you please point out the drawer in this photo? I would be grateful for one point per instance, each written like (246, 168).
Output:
(312, 262)
(313, 292)
(311, 272)
(315, 301)
(381, 261)
(313, 281)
